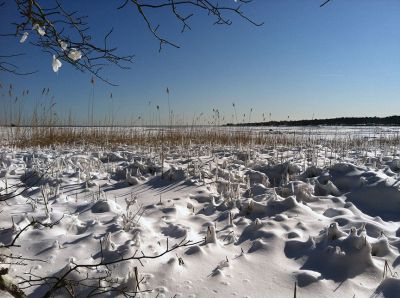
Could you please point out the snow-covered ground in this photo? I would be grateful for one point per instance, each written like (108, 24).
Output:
(262, 222)
(324, 132)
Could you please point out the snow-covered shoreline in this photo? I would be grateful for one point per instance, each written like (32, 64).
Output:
(264, 218)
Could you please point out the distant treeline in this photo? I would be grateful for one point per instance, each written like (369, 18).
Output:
(388, 121)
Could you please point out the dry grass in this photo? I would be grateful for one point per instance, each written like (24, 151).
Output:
(42, 127)
(110, 137)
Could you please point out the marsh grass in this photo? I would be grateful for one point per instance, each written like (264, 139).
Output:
(164, 139)
(43, 127)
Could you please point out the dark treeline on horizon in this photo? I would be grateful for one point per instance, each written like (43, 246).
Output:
(388, 121)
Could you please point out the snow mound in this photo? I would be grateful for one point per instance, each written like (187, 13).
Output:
(106, 206)
(389, 288)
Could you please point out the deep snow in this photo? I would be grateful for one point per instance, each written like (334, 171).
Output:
(329, 225)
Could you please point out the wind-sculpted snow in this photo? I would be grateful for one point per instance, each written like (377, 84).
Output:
(261, 225)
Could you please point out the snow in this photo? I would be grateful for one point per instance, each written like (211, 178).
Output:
(24, 37)
(40, 30)
(259, 224)
(74, 54)
(56, 64)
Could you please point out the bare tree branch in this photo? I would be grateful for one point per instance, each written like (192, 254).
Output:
(91, 280)
(65, 34)
(7, 66)
(326, 2)
(34, 222)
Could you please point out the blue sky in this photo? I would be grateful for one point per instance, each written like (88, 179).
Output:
(339, 60)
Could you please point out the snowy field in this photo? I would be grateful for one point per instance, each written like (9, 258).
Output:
(204, 221)
(316, 131)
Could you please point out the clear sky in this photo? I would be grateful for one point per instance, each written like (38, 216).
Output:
(339, 60)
